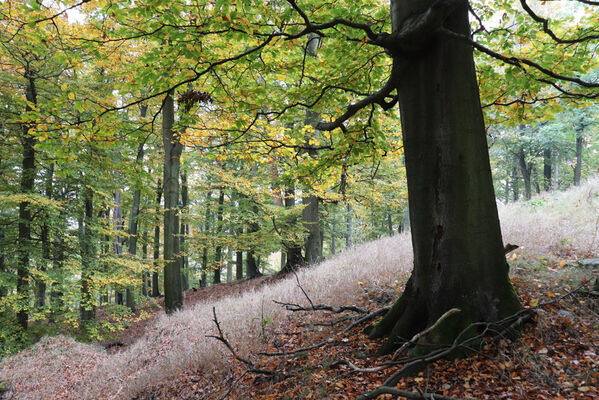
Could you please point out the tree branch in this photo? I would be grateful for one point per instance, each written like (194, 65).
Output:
(517, 61)
(548, 30)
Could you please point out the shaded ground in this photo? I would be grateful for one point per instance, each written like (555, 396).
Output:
(555, 358)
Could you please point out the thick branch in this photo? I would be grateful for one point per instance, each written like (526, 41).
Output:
(375, 98)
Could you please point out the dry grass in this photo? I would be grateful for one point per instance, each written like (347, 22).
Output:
(177, 342)
(60, 368)
(564, 225)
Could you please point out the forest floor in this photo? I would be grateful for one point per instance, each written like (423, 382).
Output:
(555, 357)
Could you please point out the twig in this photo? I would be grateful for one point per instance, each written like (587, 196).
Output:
(355, 368)
(300, 350)
(302, 289)
(417, 336)
(228, 392)
(321, 307)
(365, 318)
(250, 365)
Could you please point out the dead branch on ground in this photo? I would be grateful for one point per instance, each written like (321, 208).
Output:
(251, 368)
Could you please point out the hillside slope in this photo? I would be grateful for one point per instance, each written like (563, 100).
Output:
(560, 225)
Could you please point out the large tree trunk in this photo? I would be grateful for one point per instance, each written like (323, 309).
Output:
(459, 258)
(25, 216)
(155, 286)
(294, 257)
(578, 166)
(173, 295)
(239, 265)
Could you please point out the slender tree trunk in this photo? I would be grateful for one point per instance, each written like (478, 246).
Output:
(56, 294)
(348, 226)
(459, 258)
(145, 277)
(525, 170)
(229, 265)
(40, 297)
(155, 286)
(578, 166)
(117, 244)
(87, 307)
(547, 162)
(173, 295)
(238, 265)
(133, 224)
(218, 229)
(515, 184)
(184, 231)
(207, 233)
(333, 235)
(25, 217)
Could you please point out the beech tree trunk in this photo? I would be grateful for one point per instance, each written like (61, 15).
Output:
(40, 295)
(173, 295)
(293, 258)
(578, 166)
(184, 232)
(547, 156)
(133, 225)
(459, 258)
(25, 216)
(207, 217)
(117, 244)
(526, 170)
(239, 265)
(218, 256)
(155, 286)
(87, 308)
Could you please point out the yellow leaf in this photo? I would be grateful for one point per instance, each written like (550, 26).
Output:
(71, 96)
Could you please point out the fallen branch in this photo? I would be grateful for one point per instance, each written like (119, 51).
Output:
(409, 395)
(355, 368)
(321, 307)
(368, 317)
(300, 350)
(221, 338)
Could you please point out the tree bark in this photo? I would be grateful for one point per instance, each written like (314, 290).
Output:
(40, 296)
(184, 232)
(525, 170)
(87, 309)
(578, 166)
(348, 230)
(155, 285)
(173, 295)
(294, 257)
(239, 265)
(133, 225)
(207, 217)
(219, 226)
(117, 244)
(459, 258)
(25, 217)
(547, 162)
